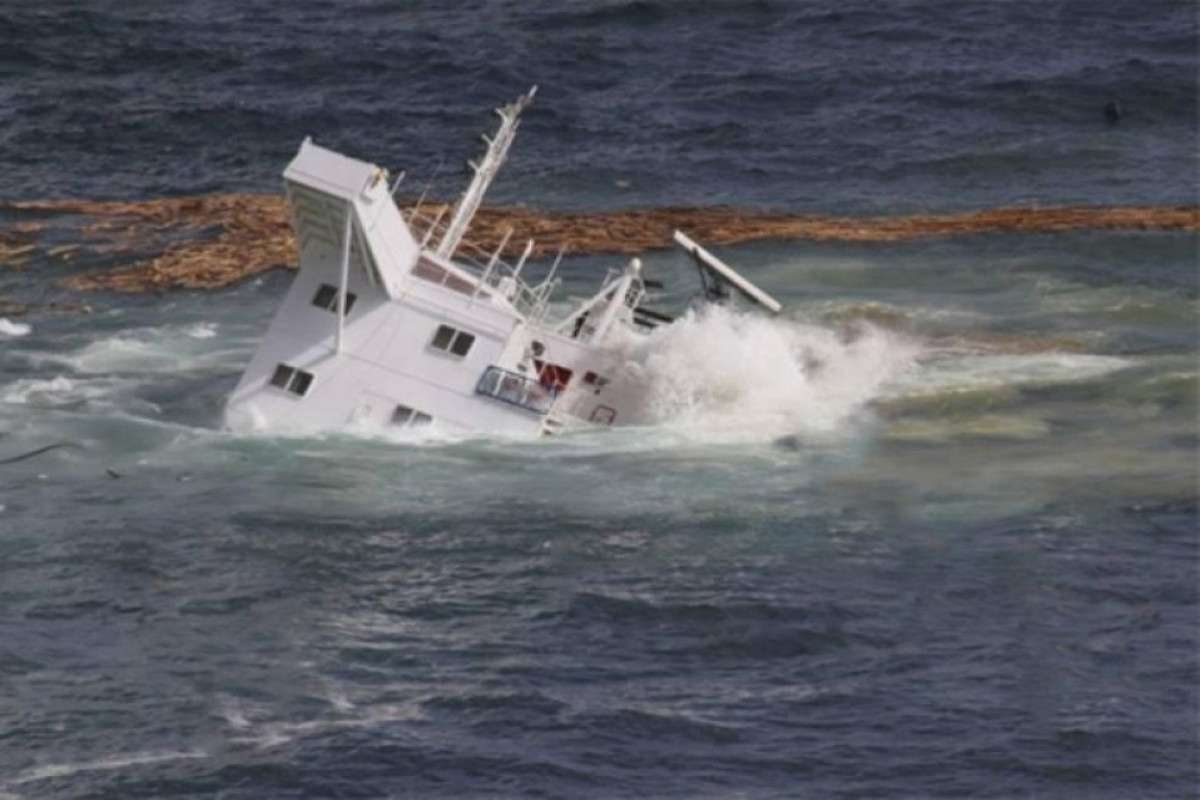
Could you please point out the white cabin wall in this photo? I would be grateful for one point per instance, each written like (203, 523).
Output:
(386, 354)
(301, 332)
(390, 239)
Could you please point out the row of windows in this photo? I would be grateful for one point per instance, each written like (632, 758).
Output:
(293, 380)
(327, 298)
(446, 338)
(431, 272)
(298, 382)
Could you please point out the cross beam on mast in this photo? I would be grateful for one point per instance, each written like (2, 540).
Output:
(485, 172)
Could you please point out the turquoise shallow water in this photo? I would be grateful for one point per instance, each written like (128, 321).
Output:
(932, 532)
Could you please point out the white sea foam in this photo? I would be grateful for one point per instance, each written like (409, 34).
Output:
(126, 353)
(338, 698)
(57, 391)
(14, 329)
(263, 732)
(202, 330)
(167, 348)
(47, 771)
(974, 372)
(731, 376)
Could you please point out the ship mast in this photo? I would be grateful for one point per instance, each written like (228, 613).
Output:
(485, 172)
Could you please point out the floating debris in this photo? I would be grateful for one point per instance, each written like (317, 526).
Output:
(34, 453)
(214, 240)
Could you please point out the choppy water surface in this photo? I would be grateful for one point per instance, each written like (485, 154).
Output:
(931, 532)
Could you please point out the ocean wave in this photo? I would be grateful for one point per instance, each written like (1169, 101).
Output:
(114, 762)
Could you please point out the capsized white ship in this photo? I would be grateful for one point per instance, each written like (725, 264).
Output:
(395, 320)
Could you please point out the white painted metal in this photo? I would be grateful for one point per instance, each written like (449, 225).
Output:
(345, 277)
(728, 274)
(485, 172)
(390, 348)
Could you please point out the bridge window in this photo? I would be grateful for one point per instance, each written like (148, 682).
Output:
(452, 340)
(293, 380)
(427, 270)
(327, 298)
(518, 390)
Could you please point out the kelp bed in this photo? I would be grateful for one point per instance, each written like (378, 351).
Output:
(214, 240)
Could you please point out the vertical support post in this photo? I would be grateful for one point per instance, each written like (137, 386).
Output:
(521, 264)
(617, 298)
(545, 287)
(491, 265)
(341, 309)
(432, 226)
(396, 183)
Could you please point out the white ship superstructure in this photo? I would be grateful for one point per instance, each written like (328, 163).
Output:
(397, 320)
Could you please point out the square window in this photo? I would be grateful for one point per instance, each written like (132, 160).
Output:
(462, 343)
(326, 297)
(441, 339)
(283, 374)
(301, 382)
(403, 415)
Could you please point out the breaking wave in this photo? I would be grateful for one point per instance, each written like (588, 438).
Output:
(735, 376)
(715, 376)
(13, 329)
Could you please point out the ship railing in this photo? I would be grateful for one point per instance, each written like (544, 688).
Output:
(491, 271)
(515, 389)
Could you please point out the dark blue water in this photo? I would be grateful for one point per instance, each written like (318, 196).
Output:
(856, 105)
(954, 556)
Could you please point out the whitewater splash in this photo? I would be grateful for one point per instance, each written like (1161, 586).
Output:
(715, 376)
(724, 375)
(13, 329)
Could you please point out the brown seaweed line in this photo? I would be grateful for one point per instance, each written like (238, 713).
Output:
(233, 236)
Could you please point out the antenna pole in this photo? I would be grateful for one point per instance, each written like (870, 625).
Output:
(485, 171)
(396, 183)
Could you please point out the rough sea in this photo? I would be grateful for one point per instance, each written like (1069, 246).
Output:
(932, 532)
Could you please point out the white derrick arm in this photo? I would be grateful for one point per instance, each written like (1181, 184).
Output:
(727, 273)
